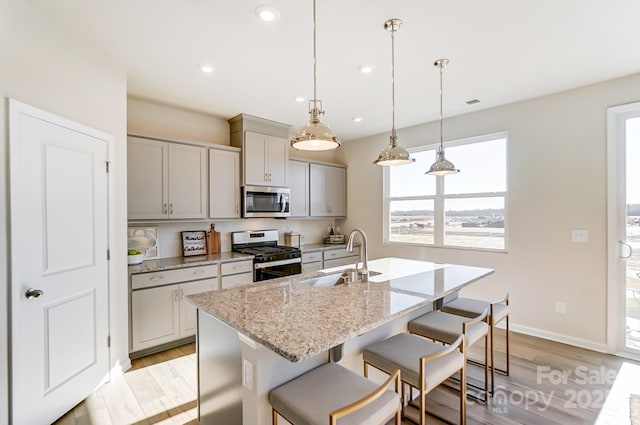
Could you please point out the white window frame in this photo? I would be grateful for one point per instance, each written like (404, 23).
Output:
(440, 197)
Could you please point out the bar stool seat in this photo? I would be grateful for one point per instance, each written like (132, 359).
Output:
(423, 365)
(446, 327)
(334, 392)
(498, 311)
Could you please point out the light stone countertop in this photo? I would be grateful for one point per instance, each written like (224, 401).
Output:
(299, 321)
(182, 262)
(311, 247)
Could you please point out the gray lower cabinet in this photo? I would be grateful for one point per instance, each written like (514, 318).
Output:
(328, 257)
(340, 257)
(311, 261)
(160, 313)
(236, 273)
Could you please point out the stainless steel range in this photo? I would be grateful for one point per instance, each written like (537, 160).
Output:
(270, 259)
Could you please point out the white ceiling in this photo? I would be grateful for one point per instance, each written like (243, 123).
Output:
(500, 51)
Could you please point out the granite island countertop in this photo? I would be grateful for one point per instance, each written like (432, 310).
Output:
(298, 321)
(172, 263)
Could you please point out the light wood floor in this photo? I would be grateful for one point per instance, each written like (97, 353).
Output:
(161, 389)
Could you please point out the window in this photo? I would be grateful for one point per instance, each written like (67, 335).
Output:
(465, 210)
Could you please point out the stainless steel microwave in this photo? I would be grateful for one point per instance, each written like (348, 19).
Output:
(262, 201)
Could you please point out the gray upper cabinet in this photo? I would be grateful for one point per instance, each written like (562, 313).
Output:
(166, 180)
(265, 150)
(299, 186)
(265, 160)
(224, 183)
(328, 190)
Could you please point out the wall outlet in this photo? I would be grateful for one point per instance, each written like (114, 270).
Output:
(247, 374)
(579, 235)
(561, 308)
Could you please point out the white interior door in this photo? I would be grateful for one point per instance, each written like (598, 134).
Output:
(624, 228)
(59, 268)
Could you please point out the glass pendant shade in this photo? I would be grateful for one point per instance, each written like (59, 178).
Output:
(315, 136)
(393, 154)
(442, 167)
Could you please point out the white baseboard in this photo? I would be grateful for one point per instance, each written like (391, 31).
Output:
(565, 339)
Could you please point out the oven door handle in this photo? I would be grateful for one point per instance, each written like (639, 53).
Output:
(277, 263)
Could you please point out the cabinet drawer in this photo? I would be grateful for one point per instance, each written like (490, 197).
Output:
(236, 267)
(311, 267)
(310, 257)
(331, 254)
(236, 280)
(167, 277)
(344, 261)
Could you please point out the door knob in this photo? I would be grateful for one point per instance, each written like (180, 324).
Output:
(33, 293)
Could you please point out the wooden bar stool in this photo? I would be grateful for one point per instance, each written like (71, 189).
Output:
(333, 392)
(498, 310)
(445, 328)
(423, 365)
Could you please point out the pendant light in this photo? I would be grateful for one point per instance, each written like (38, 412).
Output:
(315, 136)
(393, 154)
(441, 167)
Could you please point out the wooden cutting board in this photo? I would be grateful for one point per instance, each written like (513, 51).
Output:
(213, 240)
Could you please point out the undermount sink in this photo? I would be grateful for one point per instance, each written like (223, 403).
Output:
(334, 279)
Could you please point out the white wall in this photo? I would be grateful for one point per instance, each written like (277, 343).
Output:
(42, 65)
(557, 182)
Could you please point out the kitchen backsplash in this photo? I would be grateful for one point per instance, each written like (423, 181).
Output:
(170, 242)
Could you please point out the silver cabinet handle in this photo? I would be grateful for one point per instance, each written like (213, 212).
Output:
(164, 208)
(629, 249)
(156, 277)
(33, 293)
(171, 208)
(177, 295)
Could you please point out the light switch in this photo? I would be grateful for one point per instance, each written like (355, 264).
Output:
(579, 235)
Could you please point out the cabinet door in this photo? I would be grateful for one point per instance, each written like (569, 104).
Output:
(277, 161)
(337, 191)
(188, 311)
(187, 181)
(224, 184)
(299, 185)
(318, 191)
(254, 165)
(147, 178)
(154, 316)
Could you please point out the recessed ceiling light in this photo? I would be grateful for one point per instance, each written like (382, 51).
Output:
(207, 68)
(299, 99)
(356, 119)
(267, 13)
(366, 68)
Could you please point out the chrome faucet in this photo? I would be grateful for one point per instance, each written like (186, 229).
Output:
(362, 273)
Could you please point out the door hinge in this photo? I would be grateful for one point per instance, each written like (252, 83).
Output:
(108, 254)
(109, 341)
(107, 164)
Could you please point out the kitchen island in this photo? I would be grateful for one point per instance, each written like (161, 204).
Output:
(253, 338)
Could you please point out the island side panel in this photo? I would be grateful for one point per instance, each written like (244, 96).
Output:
(263, 371)
(219, 372)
